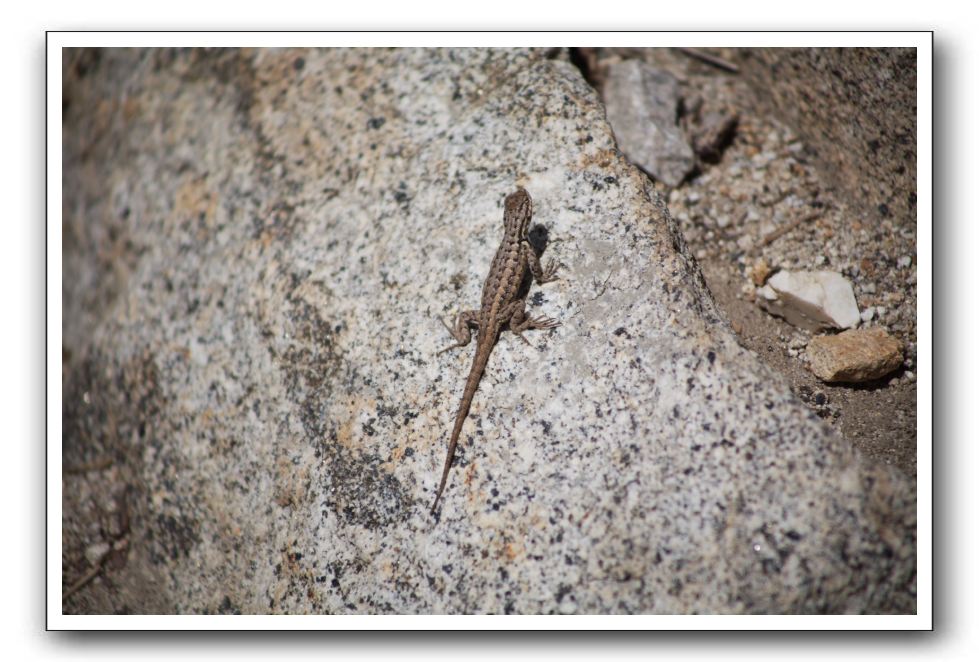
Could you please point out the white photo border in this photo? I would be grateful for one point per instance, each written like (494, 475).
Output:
(922, 41)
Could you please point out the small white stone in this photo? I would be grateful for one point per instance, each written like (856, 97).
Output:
(798, 341)
(568, 607)
(723, 221)
(904, 262)
(812, 299)
(94, 553)
(867, 315)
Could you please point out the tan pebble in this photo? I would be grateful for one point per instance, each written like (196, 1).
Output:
(760, 272)
(857, 355)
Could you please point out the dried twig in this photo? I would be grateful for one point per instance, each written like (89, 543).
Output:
(788, 227)
(712, 60)
(118, 544)
(86, 578)
(94, 465)
(96, 568)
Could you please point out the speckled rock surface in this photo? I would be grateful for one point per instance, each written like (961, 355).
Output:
(258, 245)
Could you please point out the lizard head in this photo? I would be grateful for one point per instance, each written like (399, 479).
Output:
(517, 210)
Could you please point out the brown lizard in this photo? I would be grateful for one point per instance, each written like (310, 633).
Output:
(501, 306)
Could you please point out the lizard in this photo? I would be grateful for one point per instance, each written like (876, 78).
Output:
(501, 306)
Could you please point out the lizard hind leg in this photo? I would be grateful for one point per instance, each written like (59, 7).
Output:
(520, 322)
(465, 322)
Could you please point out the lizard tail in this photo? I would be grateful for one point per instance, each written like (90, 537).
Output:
(472, 382)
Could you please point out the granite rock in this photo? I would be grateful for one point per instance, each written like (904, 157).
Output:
(641, 104)
(857, 355)
(258, 246)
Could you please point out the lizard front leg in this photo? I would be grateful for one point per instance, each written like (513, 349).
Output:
(466, 321)
(542, 275)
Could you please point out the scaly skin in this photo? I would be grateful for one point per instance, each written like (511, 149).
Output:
(501, 307)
